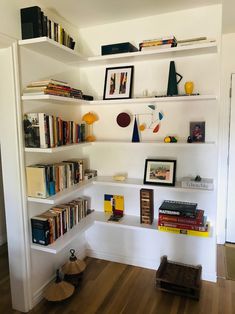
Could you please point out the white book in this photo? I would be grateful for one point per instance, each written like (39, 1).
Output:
(43, 131)
(51, 131)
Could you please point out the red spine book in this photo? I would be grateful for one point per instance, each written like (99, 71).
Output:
(184, 220)
(184, 226)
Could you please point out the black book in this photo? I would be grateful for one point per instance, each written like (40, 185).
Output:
(178, 208)
(44, 24)
(31, 22)
(40, 230)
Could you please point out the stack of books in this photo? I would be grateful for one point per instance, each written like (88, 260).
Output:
(158, 43)
(52, 87)
(46, 131)
(182, 218)
(34, 23)
(58, 220)
(45, 180)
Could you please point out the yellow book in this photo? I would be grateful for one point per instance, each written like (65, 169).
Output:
(113, 203)
(36, 181)
(185, 231)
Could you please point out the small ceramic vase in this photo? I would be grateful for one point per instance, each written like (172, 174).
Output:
(188, 86)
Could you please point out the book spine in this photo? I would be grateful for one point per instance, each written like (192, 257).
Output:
(184, 231)
(177, 213)
(177, 219)
(31, 22)
(43, 130)
(183, 226)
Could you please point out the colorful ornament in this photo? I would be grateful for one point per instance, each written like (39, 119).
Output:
(142, 127)
(90, 118)
(123, 119)
(156, 129)
(135, 134)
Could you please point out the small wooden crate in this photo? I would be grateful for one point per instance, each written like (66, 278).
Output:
(178, 278)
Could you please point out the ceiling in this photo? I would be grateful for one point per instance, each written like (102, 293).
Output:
(85, 13)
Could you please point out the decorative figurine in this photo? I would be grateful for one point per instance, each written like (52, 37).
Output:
(189, 86)
(170, 139)
(90, 118)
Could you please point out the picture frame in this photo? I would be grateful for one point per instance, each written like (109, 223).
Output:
(197, 131)
(118, 82)
(160, 172)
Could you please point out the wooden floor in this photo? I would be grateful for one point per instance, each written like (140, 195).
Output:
(113, 288)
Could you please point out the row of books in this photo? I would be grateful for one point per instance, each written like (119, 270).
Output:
(46, 131)
(52, 87)
(34, 23)
(44, 180)
(170, 41)
(182, 217)
(58, 220)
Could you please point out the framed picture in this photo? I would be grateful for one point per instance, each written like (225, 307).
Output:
(118, 82)
(160, 172)
(197, 131)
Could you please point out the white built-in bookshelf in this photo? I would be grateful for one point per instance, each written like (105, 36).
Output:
(55, 149)
(55, 99)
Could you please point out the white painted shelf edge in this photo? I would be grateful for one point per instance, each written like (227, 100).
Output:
(55, 149)
(158, 143)
(138, 183)
(59, 99)
(98, 217)
(108, 181)
(121, 57)
(53, 49)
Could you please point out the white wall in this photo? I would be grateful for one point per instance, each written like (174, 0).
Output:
(227, 68)
(110, 159)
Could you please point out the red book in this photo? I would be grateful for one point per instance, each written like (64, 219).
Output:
(202, 228)
(199, 220)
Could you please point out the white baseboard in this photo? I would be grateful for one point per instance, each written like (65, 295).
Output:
(140, 262)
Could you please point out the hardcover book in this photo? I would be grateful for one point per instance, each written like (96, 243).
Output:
(31, 22)
(178, 208)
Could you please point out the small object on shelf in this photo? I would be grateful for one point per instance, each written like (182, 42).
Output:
(189, 140)
(90, 118)
(135, 134)
(89, 174)
(197, 131)
(146, 206)
(59, 290)
(189, 86)
(198, 178)
(123, 119)
(87, 97)
(119, 177)
(178, 278)
(115, 218)
(117, 48)
(73, 270)
(191, 183)
(114, 204)
(172, 88)
(170, 139)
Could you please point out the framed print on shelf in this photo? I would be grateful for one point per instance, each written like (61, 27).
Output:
(160, 172)
(197, 131)
(118, 82)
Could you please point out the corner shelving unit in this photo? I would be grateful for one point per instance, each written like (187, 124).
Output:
(52, 98)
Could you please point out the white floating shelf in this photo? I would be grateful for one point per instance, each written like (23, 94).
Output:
(97, 217)
(68, 237)
(181, 51)
(61, 196)
(52, 49)
(55, 149)
(138, 183)
(156, 143)
(152, 100)
(52, 98)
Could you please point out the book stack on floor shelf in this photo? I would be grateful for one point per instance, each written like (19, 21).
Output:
(58, 220)
(182, 218)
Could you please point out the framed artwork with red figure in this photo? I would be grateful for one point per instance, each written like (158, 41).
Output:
(197, 131)
(118, 82)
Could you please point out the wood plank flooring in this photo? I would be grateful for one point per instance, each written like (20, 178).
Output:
(113, 288)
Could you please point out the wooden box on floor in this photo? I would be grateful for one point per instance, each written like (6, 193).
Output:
(178, 278)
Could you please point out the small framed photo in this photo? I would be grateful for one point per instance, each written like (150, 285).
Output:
(160, 172)
(118, 82)
(197, 131)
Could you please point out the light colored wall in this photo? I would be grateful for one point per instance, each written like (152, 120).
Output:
(227, 68)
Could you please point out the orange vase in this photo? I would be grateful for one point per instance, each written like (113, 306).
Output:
(188, 86)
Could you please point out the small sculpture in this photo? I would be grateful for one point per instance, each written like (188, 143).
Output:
(90, 118)
(170, 139)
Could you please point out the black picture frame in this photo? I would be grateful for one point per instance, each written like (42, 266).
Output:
(118, 82)
(160, 172)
